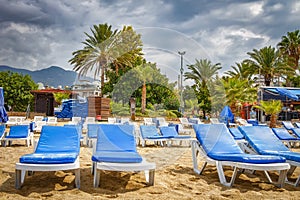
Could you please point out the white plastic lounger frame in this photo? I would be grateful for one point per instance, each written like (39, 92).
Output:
(28, 139)
(198, 151)
(148, 168)
(23, 168)
(49, 144)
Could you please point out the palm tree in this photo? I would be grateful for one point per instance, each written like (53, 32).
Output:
(237, 92)
(203, 70)
(147, 73)
(290, 46)
(268, 63)
(105, 47)
(241, 71)
(201, 73)
(273, 108)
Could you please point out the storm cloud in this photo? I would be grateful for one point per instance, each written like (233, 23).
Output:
(37, 34)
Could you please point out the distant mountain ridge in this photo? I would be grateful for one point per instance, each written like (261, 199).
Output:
(53, 76)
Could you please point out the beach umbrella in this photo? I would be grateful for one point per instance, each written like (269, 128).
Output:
(3, 114)
(226, 115)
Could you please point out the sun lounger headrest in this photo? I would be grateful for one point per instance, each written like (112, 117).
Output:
(112, 137)
(262, 139)
(19, 131)
(215, 138)
(58, 139)
(148, 130)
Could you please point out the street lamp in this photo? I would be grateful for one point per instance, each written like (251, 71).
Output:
(181, 78)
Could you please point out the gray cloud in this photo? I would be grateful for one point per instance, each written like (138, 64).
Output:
(38, 34)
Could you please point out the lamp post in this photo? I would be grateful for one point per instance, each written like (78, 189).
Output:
(181, 78)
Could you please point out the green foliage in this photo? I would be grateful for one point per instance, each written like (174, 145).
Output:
(202, 73)
(59, 96)
(270, 107)
(17, 89)
(105, 48)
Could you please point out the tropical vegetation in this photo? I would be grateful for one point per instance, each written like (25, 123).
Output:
(17, 89)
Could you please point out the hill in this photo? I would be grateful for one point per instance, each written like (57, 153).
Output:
(52, 76)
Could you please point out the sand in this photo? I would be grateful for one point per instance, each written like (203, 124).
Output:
(174, 179)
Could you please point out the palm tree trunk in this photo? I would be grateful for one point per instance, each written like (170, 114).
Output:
(102, 81)
(144, 97)
(273, 121)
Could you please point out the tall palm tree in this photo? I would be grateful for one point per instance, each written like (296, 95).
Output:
(241, 71)
(268, 63)
(105, 47)
(290, 46)
(203, 70)
(201, 73)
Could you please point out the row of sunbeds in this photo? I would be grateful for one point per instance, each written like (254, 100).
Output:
(216, 145)
(58, 148)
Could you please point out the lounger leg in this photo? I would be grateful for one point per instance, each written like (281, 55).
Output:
(149, 174)
(222, 177)
(18, 183)
(77, 178)
(96, 178)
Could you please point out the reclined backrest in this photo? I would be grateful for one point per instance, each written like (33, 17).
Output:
(262, 139)
(19, 131)
(168, 131)
(148, 131)
(92, 130)
(236, 133)
(283, 134)
(216, 138)
(58, 139)
(113, 137)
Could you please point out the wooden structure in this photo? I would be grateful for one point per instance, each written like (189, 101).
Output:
(98, 107)
(44, 100)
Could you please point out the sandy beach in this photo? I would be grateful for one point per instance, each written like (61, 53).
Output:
(174, 179)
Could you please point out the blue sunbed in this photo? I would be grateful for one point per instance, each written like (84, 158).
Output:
(216, 145)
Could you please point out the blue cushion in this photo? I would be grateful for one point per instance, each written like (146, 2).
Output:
(18, 131)
(112, 137)
(219, 144)
(170, 132)
(215, 138)
(116, 157)
(150, 132)
(57, 144)
(283, 134)
(262, 139)
(294, 156)
(92, 130)
(49, 158)
(58, 139)
(247, 158)
(235, 132)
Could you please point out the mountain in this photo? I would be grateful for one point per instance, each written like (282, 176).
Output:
(52, 76)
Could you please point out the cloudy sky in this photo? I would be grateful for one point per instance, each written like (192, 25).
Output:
(36, 34)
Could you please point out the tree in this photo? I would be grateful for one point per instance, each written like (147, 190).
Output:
(268, 63)
(241, 71)
(106, 47)
(273, 108)
(290, 46)
(201, 73)
(237, 92)
(59, 96)
(17, 89)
